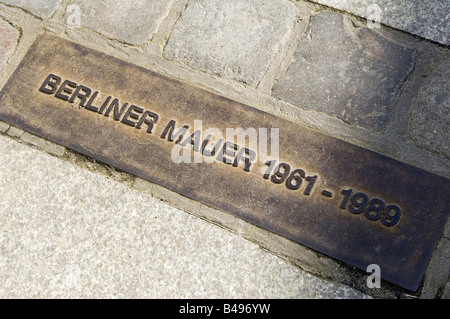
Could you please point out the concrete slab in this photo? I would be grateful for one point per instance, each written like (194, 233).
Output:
(68, 233)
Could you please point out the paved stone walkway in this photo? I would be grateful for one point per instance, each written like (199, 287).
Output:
(384, 87)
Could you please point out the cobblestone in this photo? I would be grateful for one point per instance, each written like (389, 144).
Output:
(43, 144)
(4, 127)
(233, 39)
(349, 72)
(15, 132)
(132, 22)
(429, 120)
(41, 8)
(9, 37)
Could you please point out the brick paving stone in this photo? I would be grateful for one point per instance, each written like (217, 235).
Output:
(349, 72)
(429, 120)
(429, 19)
(133, 22)
(8, 41)
(233, 39)
(41, 8)
(15, 132)
(4, 127)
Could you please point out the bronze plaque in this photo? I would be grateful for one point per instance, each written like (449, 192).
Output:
(350, 203)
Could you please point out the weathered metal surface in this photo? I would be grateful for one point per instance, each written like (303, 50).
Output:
(352, 204)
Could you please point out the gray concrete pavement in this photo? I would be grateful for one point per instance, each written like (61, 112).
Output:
(66, 232)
